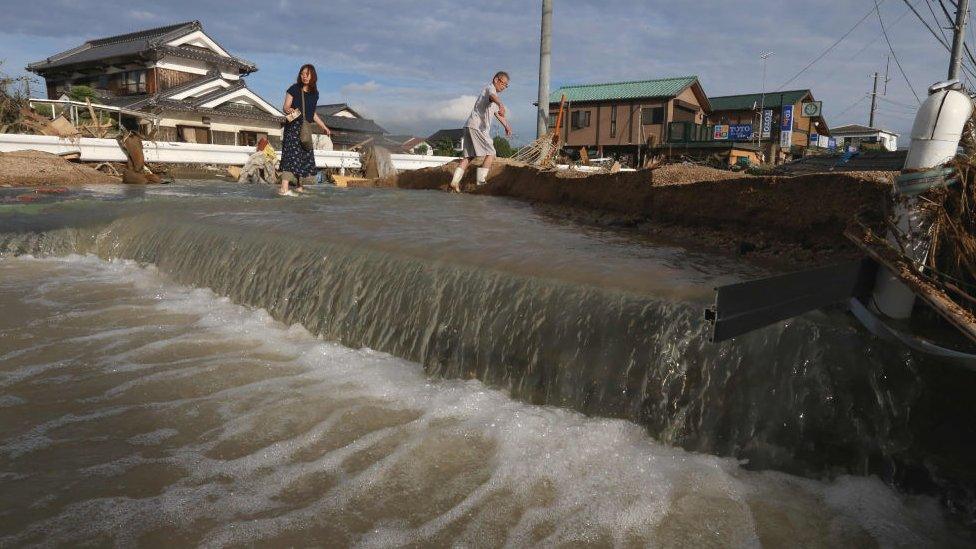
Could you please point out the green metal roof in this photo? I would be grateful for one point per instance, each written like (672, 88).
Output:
(662, 87)
(746, 101)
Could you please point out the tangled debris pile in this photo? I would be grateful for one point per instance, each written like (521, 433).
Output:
(952, 258)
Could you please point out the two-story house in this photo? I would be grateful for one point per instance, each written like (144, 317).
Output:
(625, 118)
(349, 128)
(177, 72)
(747, 109)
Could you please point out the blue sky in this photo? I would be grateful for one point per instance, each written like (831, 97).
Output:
(415, 65)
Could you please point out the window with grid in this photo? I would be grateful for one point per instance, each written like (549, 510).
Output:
(134, 82)
(652, 115)
(580, 119)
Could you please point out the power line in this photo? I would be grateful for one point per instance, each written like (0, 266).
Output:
(854, 104)
(952, 23)
(907, 106)
(877, 8)
(826, 51)
(860, 51)
(928, 4)
(924, 22)
(939, 39)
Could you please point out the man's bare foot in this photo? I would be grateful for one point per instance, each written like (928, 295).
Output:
(455, 187)
(289, 192)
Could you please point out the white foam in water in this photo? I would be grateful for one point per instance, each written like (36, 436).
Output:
(538, 475)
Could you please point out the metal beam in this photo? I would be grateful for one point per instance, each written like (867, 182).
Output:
(746, 306)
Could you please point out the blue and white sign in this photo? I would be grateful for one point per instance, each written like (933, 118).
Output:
(767, 123)
(832, 143)
(786, 127)
(740, 132)
(814, 140)
(786, 123)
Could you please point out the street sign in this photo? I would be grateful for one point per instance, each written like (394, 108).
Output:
(740, 132)
(721, 132)
(767, 123)
(812, 109)
(814, 140)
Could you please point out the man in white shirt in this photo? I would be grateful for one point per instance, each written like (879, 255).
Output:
(477, 130)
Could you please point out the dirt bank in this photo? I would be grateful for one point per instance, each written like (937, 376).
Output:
(33, 169)
(800, 218)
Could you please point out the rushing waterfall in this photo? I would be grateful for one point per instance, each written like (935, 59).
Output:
(490, 290)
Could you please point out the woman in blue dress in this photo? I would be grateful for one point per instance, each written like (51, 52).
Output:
(295, 159)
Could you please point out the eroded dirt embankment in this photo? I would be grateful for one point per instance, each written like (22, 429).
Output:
(800, 219)
(34, 168)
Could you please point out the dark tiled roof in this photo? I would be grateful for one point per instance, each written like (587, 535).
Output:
(747, 100)
(226, 109)
(361, 125)
(453, 135)
(134, 44)
(200, 100)
(858, 128)
(332, 108)
(200, 54)
(160, 101)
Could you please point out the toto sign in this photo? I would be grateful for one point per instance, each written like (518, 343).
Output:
(740, 132)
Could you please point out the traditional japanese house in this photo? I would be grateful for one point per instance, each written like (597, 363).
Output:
(178, 72)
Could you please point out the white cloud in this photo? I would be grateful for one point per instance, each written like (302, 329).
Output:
(141, 15)
(360, 89)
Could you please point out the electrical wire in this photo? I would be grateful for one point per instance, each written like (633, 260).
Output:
(860, 51)
(938, 38)
(854, 104)
(952, 23)
(877, 9)
(905, 105)
(831, 47)
(926, 23)
(928, 4)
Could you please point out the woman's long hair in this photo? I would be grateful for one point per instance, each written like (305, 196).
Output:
(311, 81)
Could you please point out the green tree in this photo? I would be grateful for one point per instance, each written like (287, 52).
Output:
(444, 147)
(502, 147)
(80, 93)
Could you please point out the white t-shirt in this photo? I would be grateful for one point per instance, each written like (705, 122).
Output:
(483, 111)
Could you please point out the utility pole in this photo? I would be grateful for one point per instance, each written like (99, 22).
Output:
(962, 12)
(886, 80)
(545, 57)
(764, 55)
(874, 100)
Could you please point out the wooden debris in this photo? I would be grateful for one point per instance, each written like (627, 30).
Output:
(96, 128)
(881, 251)
(345, 180)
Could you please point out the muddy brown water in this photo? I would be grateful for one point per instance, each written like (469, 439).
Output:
(208, 365)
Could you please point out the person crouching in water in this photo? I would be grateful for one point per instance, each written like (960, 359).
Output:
(477, 130)
(297, 161)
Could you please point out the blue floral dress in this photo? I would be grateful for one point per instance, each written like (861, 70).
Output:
(294, 157)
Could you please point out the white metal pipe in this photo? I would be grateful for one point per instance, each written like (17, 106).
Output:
(935, 138)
